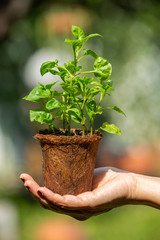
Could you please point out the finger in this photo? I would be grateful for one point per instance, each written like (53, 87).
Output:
(32, 187)
(60, 204)
(50, 196)
(24, 177)
(62, 201)
(68, 201)
(30, 183)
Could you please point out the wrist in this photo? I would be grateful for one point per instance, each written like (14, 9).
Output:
(146, 190)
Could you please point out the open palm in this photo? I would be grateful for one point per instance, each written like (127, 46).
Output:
(111, 188)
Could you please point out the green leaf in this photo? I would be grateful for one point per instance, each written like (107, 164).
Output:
(99, 110)
(78, 32)
(38, 93)
(62, 73)
(75, 43)
(75, 114)
(48, 86)
(78, 100)
(103, 69)
(90, 36)
(53, 104)
(47, 66)
(110, 89)
(87, 80)
(67, 88)
(71, 67)
(117, 110)
(80, 86)
(109, 82)
(52, 71)
(96, 83)
(94, 91)
(83, 82)
(93, 35)
(90, 52)
(107, 87)
(56, 94)
(110, 128)
(91, 105)
(41, 116)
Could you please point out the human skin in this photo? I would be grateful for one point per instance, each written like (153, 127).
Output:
(111, 188)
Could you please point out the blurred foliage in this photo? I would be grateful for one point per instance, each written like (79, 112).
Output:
(129, 222)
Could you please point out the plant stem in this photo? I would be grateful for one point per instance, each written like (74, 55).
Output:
(83, 127)
(65, 70)
(87, 72)
(92, 125)
(83, 130)
(69, 128)
(93, 119)
(75, 58)
(83, 121)
(51, 128)
(64, 123)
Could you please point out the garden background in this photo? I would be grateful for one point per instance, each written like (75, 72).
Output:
(32, 32)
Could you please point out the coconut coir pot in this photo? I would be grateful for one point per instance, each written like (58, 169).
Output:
(68, 162)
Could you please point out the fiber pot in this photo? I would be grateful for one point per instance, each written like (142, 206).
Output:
(68, 162)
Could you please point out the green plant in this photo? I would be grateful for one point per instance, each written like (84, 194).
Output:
(76, 101)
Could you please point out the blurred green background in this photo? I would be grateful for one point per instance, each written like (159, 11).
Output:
(32, 32)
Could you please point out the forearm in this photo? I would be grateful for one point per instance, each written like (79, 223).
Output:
(147, 191)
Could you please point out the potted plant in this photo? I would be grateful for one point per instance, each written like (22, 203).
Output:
(69, 154)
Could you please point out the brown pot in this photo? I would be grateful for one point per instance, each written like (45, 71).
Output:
(68, 162)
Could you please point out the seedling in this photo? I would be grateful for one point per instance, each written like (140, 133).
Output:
(76, 99)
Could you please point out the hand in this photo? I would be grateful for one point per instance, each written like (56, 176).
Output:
(111, 188)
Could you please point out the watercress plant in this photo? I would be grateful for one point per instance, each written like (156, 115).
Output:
(76, 101)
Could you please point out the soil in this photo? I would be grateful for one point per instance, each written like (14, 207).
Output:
(68, 161)
(73, 132)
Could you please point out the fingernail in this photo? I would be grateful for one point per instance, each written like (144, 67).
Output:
(28, 189)
(40, 193)
(22, 179)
